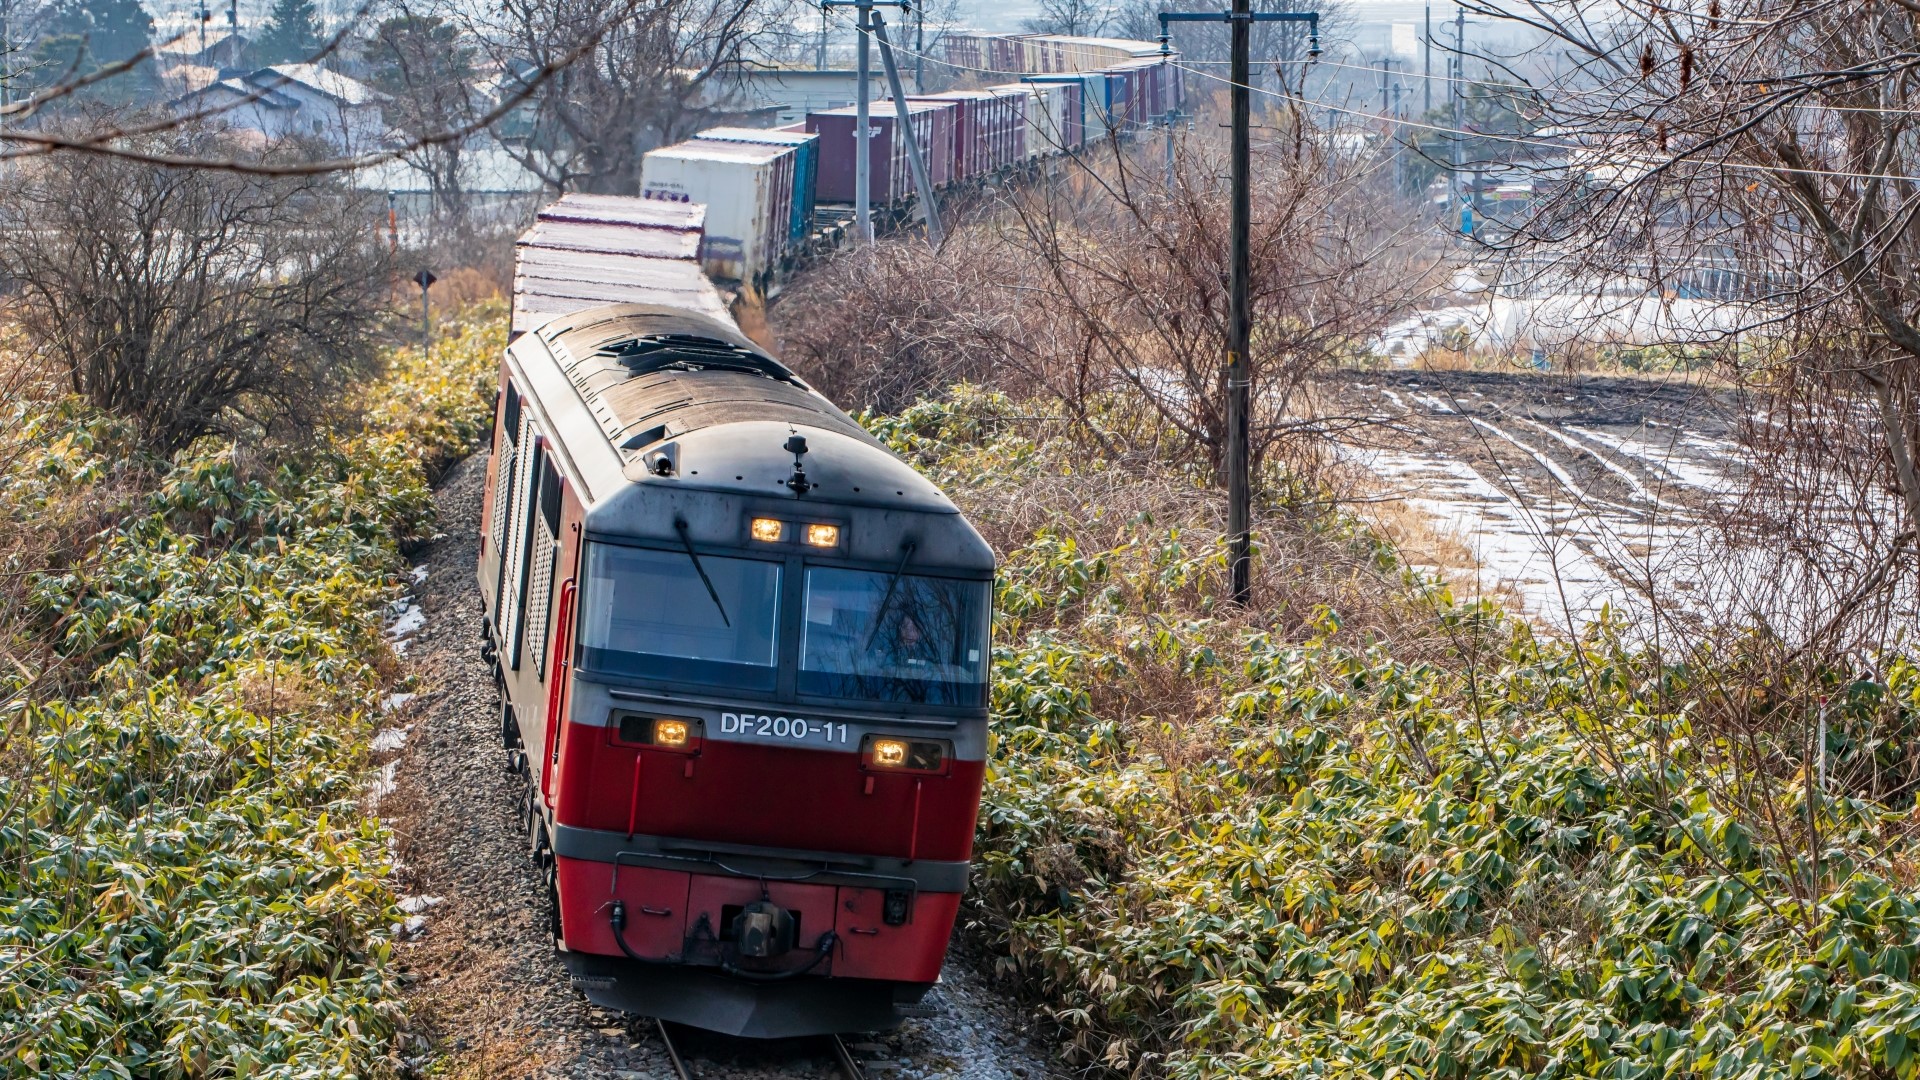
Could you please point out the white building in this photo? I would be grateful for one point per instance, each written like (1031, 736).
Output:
(293, 100)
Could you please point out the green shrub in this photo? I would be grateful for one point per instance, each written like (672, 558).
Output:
(188, 884)
(1344, 855)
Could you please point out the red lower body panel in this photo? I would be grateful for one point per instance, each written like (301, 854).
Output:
(665, 908)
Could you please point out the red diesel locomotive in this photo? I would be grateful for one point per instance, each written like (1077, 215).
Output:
(743, 653)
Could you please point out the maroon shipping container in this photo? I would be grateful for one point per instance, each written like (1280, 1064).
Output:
(1009, 56)
(986, 129)
(964, 50)
(890, 177)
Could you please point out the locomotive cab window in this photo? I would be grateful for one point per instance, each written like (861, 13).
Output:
(648, 613)
(878, 636)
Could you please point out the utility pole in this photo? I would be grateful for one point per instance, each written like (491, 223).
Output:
(820, 50)
(863, 157)
(1240, 320)
(903, 125)
(1172, 118)
(1427, 50)
(6, 54)
(871, 26)
(1463, 219)
(1239, 282)
(233, 33)
(920, 49)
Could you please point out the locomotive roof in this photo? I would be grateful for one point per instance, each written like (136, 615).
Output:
(646, 377)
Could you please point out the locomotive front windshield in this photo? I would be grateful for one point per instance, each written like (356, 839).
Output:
(649, 613)
(894, 637)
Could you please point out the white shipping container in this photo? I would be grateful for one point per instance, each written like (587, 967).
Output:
(748, 192)
(1031, 106)
(588, 250)
(1046, 119)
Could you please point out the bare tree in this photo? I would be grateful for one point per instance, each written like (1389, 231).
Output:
(196, 301)
(1106, 292)
(1088, 18)
(643, 77)
(425, 64)
(1764, 153)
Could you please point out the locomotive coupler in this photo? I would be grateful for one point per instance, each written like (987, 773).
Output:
(763, 930)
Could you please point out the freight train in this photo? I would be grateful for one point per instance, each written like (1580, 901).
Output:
(762, 187)
(742, 649)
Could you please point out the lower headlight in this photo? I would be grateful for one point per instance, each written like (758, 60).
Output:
(908, 755)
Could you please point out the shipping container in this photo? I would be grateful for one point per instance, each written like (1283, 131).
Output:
(588, 250)
(1024, 101)
(806, 166)
(983, 138)
(748, 191)
(1075, 116)
(890, 178)
(1046, 119)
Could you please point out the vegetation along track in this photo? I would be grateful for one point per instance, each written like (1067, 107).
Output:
(489, 990)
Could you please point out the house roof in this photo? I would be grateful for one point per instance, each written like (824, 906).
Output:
(262, 96)
(319, 80)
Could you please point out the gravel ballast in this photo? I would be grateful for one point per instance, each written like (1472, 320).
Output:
(490, 997)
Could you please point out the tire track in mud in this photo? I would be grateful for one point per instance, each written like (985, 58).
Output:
(1567, 493)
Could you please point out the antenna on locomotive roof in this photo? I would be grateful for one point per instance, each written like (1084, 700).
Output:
(797, 446)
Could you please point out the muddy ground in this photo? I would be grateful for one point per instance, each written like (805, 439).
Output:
(1554, 493)
(489, 997)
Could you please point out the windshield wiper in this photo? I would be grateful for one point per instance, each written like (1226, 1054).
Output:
(680, 526)
(880, 612)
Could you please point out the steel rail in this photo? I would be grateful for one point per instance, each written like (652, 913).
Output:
(845, 1059)
(673, 1053)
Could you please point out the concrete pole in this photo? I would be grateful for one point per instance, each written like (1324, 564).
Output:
(1427, 50)
(903, 123)
(1240, 319)
(862, 158)
(1172, 117)
(1457, 84)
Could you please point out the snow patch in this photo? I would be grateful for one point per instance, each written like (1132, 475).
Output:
(389, 740)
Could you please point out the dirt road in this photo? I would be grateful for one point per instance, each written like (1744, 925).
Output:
(490, 997)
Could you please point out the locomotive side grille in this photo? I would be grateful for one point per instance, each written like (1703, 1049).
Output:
(544, 550)
(512, 571)
(502, 492)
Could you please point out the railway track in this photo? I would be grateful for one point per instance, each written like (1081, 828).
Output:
(848, 1066)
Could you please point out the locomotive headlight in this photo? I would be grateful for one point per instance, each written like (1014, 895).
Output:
(823, 535)
(768, 530)
(670, 733)
(908, 755)
(889, 753)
